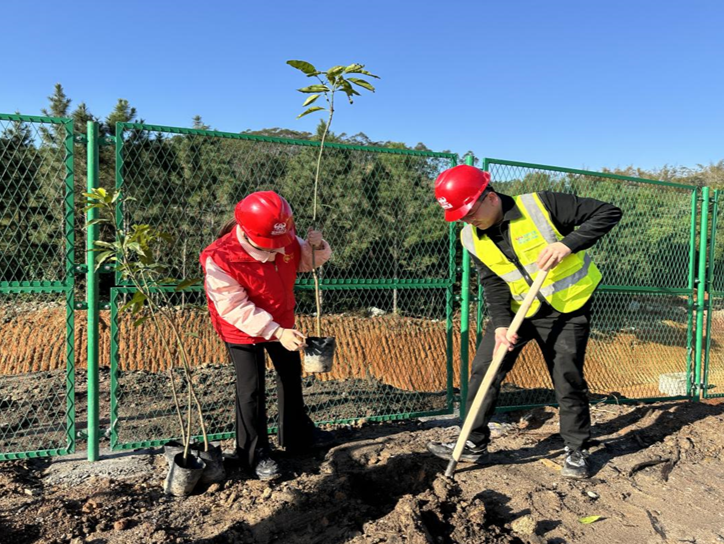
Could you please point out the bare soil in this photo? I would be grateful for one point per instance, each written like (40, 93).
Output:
(402, 352)
(657, 478)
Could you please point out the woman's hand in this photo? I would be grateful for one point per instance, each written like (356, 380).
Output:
(314, 237)
(291, 339)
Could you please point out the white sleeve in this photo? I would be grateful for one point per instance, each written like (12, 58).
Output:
(232, 302)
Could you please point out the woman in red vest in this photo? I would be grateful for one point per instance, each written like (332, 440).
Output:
(250, 272)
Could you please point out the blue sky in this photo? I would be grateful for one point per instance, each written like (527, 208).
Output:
(583, 84)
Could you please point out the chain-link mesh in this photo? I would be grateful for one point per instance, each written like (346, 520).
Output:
(387, 291)
(36, 286)
(641, 333)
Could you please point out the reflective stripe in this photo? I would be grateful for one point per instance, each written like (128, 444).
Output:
(568, 281)
(540, 221)
(561, 284)
(510, 277)
(466, 237)
(515, 275)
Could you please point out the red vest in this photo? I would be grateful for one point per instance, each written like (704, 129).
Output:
(270, 285)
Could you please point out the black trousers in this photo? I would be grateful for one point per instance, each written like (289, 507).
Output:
(295, 426)
(562, 339)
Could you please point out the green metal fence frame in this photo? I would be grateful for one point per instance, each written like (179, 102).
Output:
(46, 287)
(115, 443)
(692, 282)
(711, 294)
(447, 284)
(700, 277)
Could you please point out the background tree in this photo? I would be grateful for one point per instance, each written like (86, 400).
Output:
(59, 107)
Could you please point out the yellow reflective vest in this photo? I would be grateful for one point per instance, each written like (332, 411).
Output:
(567, 287)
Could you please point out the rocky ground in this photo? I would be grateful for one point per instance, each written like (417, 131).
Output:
(657, 478)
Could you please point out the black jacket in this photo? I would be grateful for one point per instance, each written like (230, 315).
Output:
(592, 217)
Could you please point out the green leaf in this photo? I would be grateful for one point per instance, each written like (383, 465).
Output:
(589, 519)
(310, 110)
(137, 302)
(362, 83)
(97, 221)
(91, 196)
(101, 243)
(310, 100)
(137, 322)
(103, 257)
(334, 71)
(359, 69)
(349, 91)
(303, 66)
(314, 89)
(136, 248)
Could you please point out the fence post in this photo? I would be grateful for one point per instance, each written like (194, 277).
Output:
(465, 322)
(710, 289)
(701, 291)
(450, 308)
(92, 296)
(691, 305)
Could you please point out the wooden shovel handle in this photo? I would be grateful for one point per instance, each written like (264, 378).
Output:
(498, 357)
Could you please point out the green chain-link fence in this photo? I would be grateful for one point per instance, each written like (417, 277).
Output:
(642, 326)
(387, 291)
(37, 411)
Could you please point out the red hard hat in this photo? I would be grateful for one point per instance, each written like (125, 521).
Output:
(266, 218)
(457, 189)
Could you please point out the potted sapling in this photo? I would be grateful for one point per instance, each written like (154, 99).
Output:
(132, 254)
(319, 351)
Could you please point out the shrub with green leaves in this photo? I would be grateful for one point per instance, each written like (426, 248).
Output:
(134, 253)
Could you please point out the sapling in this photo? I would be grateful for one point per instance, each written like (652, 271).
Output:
(133, 254)
(337, 78)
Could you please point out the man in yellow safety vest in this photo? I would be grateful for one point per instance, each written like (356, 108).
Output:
(511, 239)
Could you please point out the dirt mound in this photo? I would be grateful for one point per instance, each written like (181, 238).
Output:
(655, 469)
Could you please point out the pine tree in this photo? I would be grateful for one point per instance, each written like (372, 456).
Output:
(199, 123)
(122, 113)
(59, 107)
(81, 116)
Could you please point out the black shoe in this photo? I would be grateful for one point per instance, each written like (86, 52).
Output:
(576, 465)
(472, 453)
(234, 458)
(266, 468)
(316, 439)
